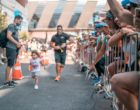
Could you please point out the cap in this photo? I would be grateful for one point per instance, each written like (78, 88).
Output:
(97, 25)
(125, 2)
(135, 1)
(101, 24)
(84, 34)
(93, 32)
(109, 14)
(90, 35)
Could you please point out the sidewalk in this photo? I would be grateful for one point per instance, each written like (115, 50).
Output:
(70, 93)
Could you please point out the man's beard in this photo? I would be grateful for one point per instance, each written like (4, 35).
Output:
(17, 24)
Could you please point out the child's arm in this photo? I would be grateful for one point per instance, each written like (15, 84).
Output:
(29, 67)
(43, 65)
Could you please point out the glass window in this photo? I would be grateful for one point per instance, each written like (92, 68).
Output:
(37, 14)
(76, 15)
(57, 13)
(96, 15)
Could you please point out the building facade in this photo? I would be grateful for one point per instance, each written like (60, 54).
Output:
(13, 8)
(76, 16)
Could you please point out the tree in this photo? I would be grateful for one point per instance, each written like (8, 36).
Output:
(4, 18)
(24, 35)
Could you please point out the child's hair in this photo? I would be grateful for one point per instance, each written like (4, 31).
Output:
(35, 52)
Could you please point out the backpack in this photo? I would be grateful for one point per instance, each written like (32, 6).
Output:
(3, 38)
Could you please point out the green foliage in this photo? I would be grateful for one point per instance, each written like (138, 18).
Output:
(24, 35)
(4, 18)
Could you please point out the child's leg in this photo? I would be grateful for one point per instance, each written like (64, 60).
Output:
(36, 80)
(33, 77)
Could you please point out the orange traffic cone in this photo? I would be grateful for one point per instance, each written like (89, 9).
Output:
(46, 60)
(29, 56)
(26, 54)
(17, 74)
(23, 56)
(69, 59)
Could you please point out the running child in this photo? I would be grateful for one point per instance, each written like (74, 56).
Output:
(35, 64)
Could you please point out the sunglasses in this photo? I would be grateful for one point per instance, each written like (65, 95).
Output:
(133, 5)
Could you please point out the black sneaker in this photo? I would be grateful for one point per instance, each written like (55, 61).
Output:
(6, 84)
(13, 82)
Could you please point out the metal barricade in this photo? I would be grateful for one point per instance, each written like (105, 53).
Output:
(118, 57)
(120, 53)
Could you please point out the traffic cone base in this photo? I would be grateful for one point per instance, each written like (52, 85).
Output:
(17, 74)
(46, 60)
(69, 59)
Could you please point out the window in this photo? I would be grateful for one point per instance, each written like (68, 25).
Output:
(37, 15)
(57, 13)
(76, 15)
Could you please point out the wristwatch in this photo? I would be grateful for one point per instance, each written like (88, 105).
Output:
(94, 62)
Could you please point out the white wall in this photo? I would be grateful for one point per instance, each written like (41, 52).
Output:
(9, 6)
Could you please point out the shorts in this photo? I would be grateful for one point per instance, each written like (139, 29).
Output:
(60, 58)
(37, 73)
(11, 55)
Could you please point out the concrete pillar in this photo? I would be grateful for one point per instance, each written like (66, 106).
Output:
(22, 2)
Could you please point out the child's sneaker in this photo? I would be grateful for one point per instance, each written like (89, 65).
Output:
(36, 87)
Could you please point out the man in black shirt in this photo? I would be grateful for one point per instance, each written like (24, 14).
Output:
(60, 48)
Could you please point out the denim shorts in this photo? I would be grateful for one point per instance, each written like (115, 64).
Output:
(37, 73)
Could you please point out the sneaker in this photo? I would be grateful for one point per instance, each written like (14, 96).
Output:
(97, 81)
(57, 78)
(108, 96)
(36, 87)
(6, 84)
(13, 82)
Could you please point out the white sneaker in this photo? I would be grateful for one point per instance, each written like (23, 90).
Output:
(36, 87)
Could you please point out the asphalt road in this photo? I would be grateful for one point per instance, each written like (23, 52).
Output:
(70, 93)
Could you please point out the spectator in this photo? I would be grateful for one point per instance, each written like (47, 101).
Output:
(29, 45)
(12, 49)
(38, 46)
(43, 47)
(99, 61)
(126, 85)
(34, 45)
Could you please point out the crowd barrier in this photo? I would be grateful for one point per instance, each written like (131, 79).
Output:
(117, 55)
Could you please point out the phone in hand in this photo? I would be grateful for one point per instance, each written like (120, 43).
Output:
(137, 12)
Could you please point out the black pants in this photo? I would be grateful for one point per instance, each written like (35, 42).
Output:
(100, 66)
(132, 67)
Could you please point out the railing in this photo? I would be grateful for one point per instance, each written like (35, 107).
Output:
(117, 55)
